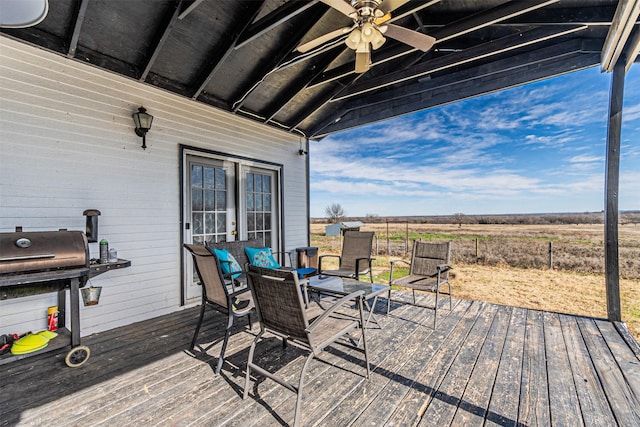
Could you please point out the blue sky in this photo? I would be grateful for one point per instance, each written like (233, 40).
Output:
(530, 149)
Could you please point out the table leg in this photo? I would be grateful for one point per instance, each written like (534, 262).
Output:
(370, 309)
(361, 302)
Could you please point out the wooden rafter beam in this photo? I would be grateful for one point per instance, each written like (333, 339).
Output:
(170, 20)
(223, 52)
(288, 93)
(321, 101)
(485, 50)
(484, 71)
(273, 19)
(187, 10)
(279, 60)
(623, 24)
(504, 79)
(77, 27)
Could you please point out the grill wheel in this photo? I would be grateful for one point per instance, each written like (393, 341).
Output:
(77, 356)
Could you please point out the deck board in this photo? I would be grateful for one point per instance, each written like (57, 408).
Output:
(475, 399)
(534, 396)
(443, 408)
(484, 364)
(593, 402)
(376, 399)
(503, 407)
(415, 402)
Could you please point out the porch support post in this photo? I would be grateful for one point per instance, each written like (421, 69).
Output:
(307, 173)
(612, 175)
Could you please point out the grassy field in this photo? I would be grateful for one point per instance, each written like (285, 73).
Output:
(511, 265)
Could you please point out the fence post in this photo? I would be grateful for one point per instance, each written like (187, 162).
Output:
(550, 255)
(377, 252)
(388, 248)
(406, 240)
(477, 250)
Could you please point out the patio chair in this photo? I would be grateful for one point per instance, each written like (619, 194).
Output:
(216, 295)
(356, 256)
(235, 275)
(281, 311)
(428, 271)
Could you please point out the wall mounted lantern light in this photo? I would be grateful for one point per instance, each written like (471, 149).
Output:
(143, 124)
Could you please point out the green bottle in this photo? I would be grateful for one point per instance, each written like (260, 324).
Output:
(104, 251)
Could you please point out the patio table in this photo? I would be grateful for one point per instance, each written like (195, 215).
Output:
(342, 286)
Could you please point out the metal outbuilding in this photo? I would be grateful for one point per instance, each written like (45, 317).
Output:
(338, 228)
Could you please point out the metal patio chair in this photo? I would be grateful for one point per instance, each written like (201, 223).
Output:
(428, 271)
(282, 312)
(355, 259)
(216, 295)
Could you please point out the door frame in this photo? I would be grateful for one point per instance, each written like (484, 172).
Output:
(278, 168)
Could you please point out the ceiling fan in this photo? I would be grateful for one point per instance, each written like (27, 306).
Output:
(369, 29)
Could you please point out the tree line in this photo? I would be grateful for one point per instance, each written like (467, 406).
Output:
(625, 217)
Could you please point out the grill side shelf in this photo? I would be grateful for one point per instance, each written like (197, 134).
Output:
(97, 269)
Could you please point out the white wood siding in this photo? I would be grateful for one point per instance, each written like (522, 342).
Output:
(67, 144)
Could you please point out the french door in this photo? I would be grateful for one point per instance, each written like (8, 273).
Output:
(225, 199)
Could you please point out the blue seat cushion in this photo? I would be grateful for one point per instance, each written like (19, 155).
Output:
(305, 271)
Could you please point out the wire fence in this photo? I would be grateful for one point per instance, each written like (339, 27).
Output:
(569, 256)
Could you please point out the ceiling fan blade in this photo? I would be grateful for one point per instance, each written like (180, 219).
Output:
(363, 61)
(306, 47)
(415, 39)
(390, 5)
(342, 7)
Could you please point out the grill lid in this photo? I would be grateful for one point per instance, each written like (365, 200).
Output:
(26, 252)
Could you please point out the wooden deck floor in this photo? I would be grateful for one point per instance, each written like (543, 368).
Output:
(485, 364)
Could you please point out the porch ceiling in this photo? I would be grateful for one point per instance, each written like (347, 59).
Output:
(240, 55)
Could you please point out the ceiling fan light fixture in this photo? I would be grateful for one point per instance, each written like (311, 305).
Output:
(368, 32)
(378, 40)
(354, 39)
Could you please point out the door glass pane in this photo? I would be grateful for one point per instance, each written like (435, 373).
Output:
(208, 203)
(196, 200)
(259, 205)
(196, 176)
(208, 223)
(221, 179)
(197, 225)
(221, 223)
(258, 182)
(249, 183)
(209, 174)
(221, 200)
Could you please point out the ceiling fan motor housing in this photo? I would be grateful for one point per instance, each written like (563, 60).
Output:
(366, 8)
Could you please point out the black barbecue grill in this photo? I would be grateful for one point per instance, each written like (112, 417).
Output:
(48, 261)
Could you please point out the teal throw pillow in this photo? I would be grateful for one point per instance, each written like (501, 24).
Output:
(228, 263)
(261, 257)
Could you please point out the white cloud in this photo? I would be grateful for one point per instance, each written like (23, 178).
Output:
(535, 148)
(585, 158)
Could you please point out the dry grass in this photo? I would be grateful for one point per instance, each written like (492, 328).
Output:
(550, 290)
(577, 287)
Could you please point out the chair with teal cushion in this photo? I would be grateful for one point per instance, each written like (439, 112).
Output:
(216, 295)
